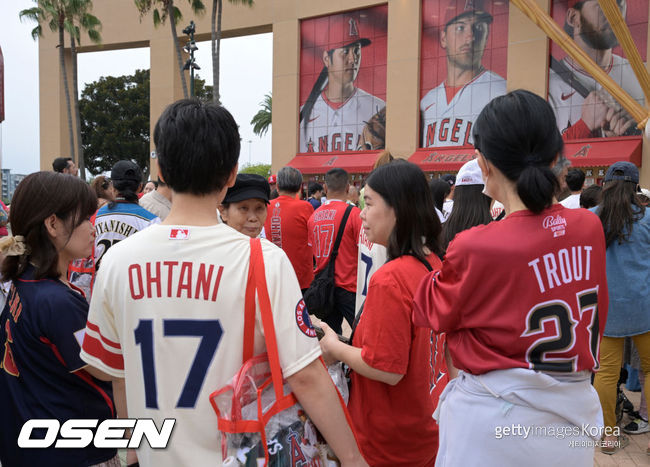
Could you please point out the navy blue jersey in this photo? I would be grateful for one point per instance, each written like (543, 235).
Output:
(41, 327)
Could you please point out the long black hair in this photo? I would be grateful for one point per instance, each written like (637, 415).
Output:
(619, 210)
(518, 133)
(471, 208)
(403, 186)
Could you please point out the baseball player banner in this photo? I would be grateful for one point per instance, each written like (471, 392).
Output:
(343, 81)
(463, 66)
(582, 107)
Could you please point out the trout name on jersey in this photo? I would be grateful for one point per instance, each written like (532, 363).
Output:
(562, 267)
(184, 280)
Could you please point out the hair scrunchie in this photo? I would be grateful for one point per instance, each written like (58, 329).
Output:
(13, 246)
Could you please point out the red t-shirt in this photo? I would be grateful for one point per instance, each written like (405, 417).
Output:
(286, 226)
(394, 424)
(529, 291)
(323, 227)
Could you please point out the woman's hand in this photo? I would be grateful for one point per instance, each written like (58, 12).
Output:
(329, 345)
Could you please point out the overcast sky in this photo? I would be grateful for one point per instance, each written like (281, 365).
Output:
(246, 76)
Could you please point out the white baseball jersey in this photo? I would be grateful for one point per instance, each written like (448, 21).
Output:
(371, 257)
(567, 102)
(167, 315)
(338, 126)
(450, 123)
(114, 225)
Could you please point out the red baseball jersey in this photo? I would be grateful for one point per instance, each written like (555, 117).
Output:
(529, 291)
(286, 226)
(394, 424)
(324, 225)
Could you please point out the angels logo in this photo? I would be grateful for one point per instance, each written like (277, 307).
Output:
(179, 234)
(303, 321)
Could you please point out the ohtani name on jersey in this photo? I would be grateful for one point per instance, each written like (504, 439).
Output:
(447, 132)
(114, 226)
(182, 279)
(562, 267)
(336, 142)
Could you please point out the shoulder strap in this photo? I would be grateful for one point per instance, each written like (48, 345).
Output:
(339, 234)
(259, 280)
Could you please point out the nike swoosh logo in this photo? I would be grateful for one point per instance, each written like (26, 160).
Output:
(566, 96)
(429, 106)
(312, 119)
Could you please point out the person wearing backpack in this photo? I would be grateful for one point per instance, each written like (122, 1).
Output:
(323, 229)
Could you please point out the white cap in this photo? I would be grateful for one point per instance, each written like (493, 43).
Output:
(469, 174)
(646, 192)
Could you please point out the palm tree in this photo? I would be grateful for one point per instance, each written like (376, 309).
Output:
(217, 8)
(164, 9)
(262, 119)
(77, 13)
(53, 14)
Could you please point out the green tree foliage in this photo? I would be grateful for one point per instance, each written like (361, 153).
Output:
(260, 169)
(115, 120)
(164, 10)
(262, 119)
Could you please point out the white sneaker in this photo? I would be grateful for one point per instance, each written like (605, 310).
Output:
(637, 426)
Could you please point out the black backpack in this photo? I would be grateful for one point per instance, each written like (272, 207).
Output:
(319, 297)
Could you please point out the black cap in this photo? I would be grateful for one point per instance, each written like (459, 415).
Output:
(126, 170)
(622, 171)
(449, 178)
(248, 186)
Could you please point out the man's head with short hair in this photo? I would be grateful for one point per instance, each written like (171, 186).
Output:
(336, 181)
(289, 180)
(197, 145)
(465, 32)
(64, 165)
(575, 178)
(313, 188)
(591, 196)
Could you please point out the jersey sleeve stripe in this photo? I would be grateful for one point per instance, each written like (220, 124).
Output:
(95, 348)
(85, 377)
(94, 328)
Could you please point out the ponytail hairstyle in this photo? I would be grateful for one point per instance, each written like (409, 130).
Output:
(518, 134)
(403, 186)
(318, 87)
(619, 210)
(37, 197)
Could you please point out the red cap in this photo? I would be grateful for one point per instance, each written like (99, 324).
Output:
(272, 179)
(337, 31)
(460, 8)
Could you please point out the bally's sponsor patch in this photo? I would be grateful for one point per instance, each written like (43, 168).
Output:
(303, 321)
(179, 234)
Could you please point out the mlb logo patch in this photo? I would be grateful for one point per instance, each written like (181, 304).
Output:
(179, 234)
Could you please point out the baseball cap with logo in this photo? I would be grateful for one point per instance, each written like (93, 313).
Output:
(126, 170)
(273, 179)
(344, 31)
(469, 174)
(458, 9)
(622, 170)
(248, 186)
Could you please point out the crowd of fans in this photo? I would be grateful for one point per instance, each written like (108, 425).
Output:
(475, 296)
